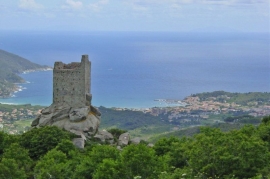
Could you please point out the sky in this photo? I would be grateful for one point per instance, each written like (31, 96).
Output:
(136, 15)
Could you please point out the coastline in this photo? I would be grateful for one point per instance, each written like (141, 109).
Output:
(17, 88)
(37, 70)
(171, 102)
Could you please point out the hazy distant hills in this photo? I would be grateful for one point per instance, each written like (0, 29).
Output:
(11, 65)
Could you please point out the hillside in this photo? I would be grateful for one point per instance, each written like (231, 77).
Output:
(238, 98)
(49, 152)
(10, 66)
(220, 109)
(204, 109)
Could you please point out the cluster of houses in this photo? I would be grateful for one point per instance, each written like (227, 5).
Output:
(8, 117)
(196, 110)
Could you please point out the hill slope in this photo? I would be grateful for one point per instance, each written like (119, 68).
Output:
(10, 66)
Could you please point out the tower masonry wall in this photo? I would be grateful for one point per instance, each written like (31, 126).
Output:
(71, 83)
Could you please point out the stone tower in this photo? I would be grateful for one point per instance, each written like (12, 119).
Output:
(71, 83)
(71, 108)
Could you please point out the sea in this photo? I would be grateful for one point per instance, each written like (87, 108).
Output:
(144, 69)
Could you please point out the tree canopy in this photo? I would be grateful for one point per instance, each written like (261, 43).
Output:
(48, 152)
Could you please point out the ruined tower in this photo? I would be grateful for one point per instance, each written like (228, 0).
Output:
(71, 108)
(71, 83)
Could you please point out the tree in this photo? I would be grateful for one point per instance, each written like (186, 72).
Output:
(251, 154)
(266, 119)
(9, 169)
(40, 140)
(177, 156)
(239, 154)
(173, 149)
(183, 173)
(264, 132)
(108, 169)
(75, 157)
(52, 165)
(164, 145)
(66, 146)
(93, 158)
(116, 133)
(6, 140)
(21, 157)
(140, 160)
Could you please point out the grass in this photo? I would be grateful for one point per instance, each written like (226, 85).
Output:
(23, 125)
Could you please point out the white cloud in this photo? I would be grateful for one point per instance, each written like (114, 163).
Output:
(75, 5)
(225, 2)
(146, 3)
(29, 5)
(97, 6)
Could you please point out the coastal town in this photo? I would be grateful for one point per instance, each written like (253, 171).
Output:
(212, 106)
(11, 115)
(191, 111)
(195, 111)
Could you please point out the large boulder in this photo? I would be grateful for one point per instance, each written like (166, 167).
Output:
(104, 136)
(79, 114)
(78, 142)
(123, 139)
(135, 140)
(83, 120)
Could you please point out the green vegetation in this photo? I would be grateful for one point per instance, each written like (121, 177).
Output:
(247, 119)
(116, 132)
(16, 119)
(6, 88)
(151, 124)
(191, 131)
(266, 119)
(40, 141)
(186, 132)
(138, 123)
(11, 64)
(24, 107)
(238, 98)
(127, 119)
(48, 152)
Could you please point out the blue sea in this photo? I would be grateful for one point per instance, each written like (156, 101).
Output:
(132, 69)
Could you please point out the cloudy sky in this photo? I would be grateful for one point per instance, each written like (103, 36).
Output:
(136, 15)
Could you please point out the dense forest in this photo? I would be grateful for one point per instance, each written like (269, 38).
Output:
(48, 152)
(128, 119)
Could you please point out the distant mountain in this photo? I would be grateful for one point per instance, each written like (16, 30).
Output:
(10, 66)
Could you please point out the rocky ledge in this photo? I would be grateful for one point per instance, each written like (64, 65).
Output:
(83, 121)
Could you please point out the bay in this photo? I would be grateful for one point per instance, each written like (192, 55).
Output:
(132, 69)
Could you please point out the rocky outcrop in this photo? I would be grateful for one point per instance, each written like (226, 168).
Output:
(104, 136)
(78, 142)
(71, 108)
(150, 145)
(80, 121)
(135, 140)
(123, 139)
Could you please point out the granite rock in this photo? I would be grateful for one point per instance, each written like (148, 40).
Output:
(135, 140)
(78, 142)
(79, 114)
(104, 136)
(75, 120)
(123, 139)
